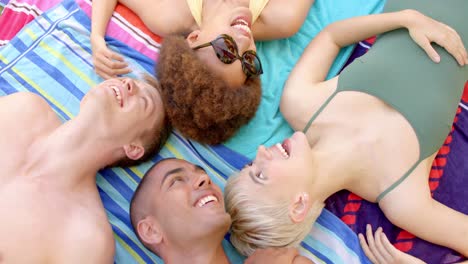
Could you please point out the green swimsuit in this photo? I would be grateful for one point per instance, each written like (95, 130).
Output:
(397, 71)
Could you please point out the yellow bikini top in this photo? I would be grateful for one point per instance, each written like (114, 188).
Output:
(196, 6)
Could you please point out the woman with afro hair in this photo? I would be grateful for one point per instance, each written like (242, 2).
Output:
(208, 68)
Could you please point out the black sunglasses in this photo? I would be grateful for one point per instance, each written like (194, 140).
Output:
(226, 50)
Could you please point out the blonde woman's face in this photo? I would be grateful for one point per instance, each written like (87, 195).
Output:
(280, 170)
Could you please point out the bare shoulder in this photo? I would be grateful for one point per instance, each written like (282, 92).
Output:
(302, 260)
(25, 102)
(411, 196)
(90, 240)
(21, 98)
(27, 109)
(301, 99)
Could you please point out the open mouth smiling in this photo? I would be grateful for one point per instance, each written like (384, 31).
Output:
(118, 95)
(206, 199)
(243, 26)
(284, 149)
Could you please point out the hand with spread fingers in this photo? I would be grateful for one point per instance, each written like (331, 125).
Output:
(380, 251)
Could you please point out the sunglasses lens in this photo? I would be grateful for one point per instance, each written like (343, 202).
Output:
(225, 49)
(251, 64)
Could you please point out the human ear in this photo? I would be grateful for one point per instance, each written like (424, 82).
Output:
(133, 151)
(193, 37)
(299, 208)
(149, 231)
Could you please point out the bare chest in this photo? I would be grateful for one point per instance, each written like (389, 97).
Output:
(37, 223)
(373, 146)
(19, 131)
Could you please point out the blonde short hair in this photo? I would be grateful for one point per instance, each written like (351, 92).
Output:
(262, 225)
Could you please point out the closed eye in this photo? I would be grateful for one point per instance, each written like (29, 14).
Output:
(145, 102)
(175, 180)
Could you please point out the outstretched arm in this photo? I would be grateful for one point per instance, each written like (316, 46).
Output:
(322, 51)
(311, 70)
(411, 207)
(281, 19)
(107, 63)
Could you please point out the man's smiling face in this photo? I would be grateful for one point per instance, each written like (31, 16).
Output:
(185, 202)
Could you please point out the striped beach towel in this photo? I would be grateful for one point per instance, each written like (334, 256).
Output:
(51, 56)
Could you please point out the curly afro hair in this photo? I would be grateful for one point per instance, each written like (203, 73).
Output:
(199, 103)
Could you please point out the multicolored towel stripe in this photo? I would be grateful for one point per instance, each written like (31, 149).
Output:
(51, 56)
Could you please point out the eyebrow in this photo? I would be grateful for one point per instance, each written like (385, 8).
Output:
(169, 173)
(251, 174)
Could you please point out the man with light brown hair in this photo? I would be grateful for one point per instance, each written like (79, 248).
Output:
(53, 212)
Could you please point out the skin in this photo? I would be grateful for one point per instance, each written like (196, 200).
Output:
(351, 144)
(222, 18)
(277, 255)
(179, 184)
(381, 251)
(174, 17)
(176, 183)
(52, 209)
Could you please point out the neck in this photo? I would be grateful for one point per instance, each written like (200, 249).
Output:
(211, 8)
(328, 178)
(198, 252)
(70, 156)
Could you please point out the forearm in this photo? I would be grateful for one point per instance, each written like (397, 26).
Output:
(279, 21)
(101, 14)
(322, 51)
(353, 30)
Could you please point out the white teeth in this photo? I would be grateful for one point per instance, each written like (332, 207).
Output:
(283, 151)
(242, 21)
(117, 94)
(206, 199)
(243, 28)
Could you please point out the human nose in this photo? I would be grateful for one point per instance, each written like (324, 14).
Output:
(131, 86)
(202, 180)
(263, 153)
(243, 45)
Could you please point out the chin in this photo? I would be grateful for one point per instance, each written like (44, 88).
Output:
(222, 222)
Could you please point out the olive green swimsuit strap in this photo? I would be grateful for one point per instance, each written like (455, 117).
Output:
(319, 111)
(395, 184)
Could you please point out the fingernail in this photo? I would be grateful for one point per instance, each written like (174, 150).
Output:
(436, 58)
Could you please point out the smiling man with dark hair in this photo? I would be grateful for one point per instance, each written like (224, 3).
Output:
(178, 213)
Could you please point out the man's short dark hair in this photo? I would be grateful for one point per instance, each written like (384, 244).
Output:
(137, 211)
